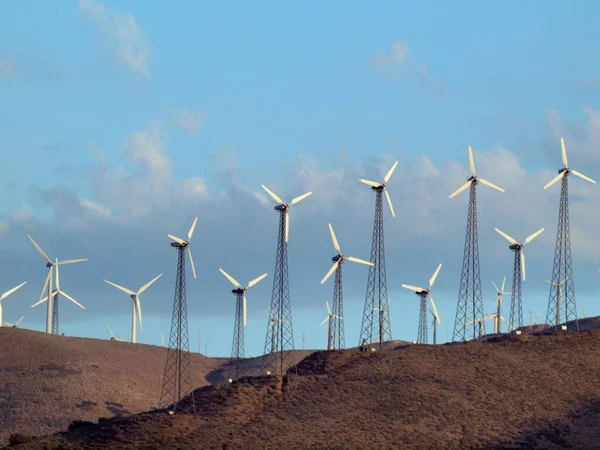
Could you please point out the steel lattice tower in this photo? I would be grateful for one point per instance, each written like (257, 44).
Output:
(176, 390)
(516, 301)
(562, 270)
(422, 337)
(376, 326)
(470, 302)
(55, 314)
(236, 369)
(337, 341)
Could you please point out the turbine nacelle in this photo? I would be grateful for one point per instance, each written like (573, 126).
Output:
(282, 207)
(238, 291)
(515, 247)
(337, 258)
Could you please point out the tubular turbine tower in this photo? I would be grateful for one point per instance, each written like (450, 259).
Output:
(377, 329)
(176, 392)
(470, 302)
(280, 334)
(562, 270)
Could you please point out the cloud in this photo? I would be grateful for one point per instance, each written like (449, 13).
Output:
(125, 39)
(122, 226)
(8, 69)
(396, 62)
(187, 120)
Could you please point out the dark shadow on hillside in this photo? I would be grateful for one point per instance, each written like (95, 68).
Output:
(579, 428)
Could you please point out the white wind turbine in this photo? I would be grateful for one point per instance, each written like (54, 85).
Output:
(283, 206)
(6, 294)
(113, 337)
(566, 169)
(48, 284)
(518, 246)
(14, 325)
(241, 290)
(376, 185)
(329, 328)
(272, 325)
(187, 244)
(136, 305)
(474, 178)
(423, 294)
(559, 296)
(500, 294)
(489, 317)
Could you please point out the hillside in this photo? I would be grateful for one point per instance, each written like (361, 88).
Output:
(527, 391)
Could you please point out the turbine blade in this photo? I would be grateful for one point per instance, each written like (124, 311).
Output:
(326, 319)
(176, 239)
(471, 162)
(506, 236)
(300, 198)
(40, 301)
(413, 288)
(287, 226)
(244, 307)
(148, 284)
(460, 189)
(564, 152)
(191, 261)
(437, 316)
(46, 284)
(336, 244)
(231, 279)
(255, 281)
(192, 228)
(111, 331)
(328, 274)
(127, 291)
(328, 310)
(370, 183)
(72, 261)
(7, 293)
(434, 276)
(503, 281)
(580, 175)
(39, 249)
(389, 200)
(138, 306)
(57, 275)
(523, 263)
(554, 180)
(390, 172)
(533, 236)
(19, 321)
(272, 194)
(496, 287)
(360, 261)
(492, 185)
(71, 298)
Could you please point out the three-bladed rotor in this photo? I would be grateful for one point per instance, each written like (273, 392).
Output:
(473, 179)
(330, 315)
(339, 258)
(565, 170)
(181, 243)
(427, 292)
(283, 206)
(382, 186)
(518, 246)
(241, 290)
(500, 292)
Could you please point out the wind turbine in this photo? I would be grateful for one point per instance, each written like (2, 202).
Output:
(6, 294)
(136, 305)
(562, 268)
(180, 243)
(423, 294)
(339, 341)
(516, 305)
(281, 305)
(113, 337)
(488, 317)
(470, 302)
(434, 323)
(13, 325)
(500, 294)
(330, 336)
(376, 318)
(56, 293)
(52, 307)
(236, 370)
(559, 297)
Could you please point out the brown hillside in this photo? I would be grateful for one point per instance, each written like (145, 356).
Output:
(528, 391)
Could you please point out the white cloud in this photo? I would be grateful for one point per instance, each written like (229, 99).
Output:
(126, 40)
(7, 69)
(396, 54)
(188, 120)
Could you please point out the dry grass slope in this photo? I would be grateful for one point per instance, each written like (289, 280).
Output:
(527, 391)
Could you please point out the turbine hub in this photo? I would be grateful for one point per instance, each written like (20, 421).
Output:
(472, 178)
(336, 258)
(564, 169)
(178, 245)
(237, 291)
(516, 247)
(378, 188)
(281, 207)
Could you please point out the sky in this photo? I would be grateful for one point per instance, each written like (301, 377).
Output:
(123, 121)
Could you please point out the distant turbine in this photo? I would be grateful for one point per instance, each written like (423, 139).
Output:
(136, 305)
(500, 294)
(328, 319)
(6, 294)
(562, 268)
(113, 337)
(470, 302)
(13, 325)
(52, 307)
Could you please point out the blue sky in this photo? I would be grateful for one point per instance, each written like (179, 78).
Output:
(122, 121)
